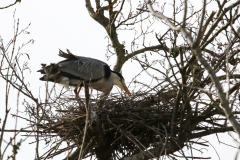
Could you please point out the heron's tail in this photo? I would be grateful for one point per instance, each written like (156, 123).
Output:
(68, 55)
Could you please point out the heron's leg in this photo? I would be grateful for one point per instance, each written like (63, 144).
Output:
(78, 86)
(76, 91)
(79, 89)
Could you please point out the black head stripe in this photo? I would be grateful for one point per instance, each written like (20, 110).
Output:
(107, 71)
(119, 74)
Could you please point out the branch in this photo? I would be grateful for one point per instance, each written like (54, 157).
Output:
(174, 115)
(234, 88)
(207, 23)
(10, 4)
(161, 16)
(115, 17)
(89, 8)
(184, 14)
(88, 110)
(214, 25)
(197, 52)
(111, 31)
(198, 39)
(98, 4)
(221, 94)
(211, 131)
(21, 130)
(164, 48)
(170, 148)
(223, 77)
(152, 48)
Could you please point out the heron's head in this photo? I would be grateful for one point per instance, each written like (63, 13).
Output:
(118, 80)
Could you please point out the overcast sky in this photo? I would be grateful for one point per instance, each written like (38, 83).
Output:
(66, 24)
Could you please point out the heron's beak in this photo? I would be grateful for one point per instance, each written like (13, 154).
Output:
(124, 87)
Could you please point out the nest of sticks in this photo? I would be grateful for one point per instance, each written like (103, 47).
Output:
(127, 125)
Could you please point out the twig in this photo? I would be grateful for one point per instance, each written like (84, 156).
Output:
(10, 4)
(87, 118)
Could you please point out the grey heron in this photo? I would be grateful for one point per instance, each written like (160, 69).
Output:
(75, 69)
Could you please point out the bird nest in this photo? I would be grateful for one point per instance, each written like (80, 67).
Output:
(127, 125)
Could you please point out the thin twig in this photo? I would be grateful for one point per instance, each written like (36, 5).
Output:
(87, 118)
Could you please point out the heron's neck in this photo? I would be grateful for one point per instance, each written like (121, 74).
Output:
(113, 78)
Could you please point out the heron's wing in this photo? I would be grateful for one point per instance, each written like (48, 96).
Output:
(85, 68)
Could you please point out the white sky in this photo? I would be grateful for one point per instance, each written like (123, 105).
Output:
(65, 24)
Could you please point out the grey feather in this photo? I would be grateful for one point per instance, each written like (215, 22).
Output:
(83, 67)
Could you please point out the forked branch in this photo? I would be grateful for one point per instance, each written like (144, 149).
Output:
(194, 44)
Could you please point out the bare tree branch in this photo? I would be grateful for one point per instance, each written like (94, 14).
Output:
(211, 131)
(196, 50)
(198, 39)
(11, 4)
(161, 16)
(215, 23)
